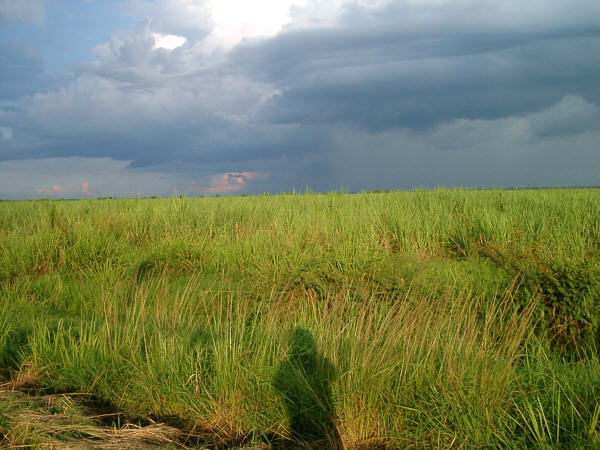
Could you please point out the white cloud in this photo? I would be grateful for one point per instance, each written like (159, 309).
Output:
(168, 41)
(234, 20)
(225, 23)
(188, 18)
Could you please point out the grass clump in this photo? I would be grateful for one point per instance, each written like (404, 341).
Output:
(569, 295)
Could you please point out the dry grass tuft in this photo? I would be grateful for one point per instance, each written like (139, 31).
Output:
(66, 421)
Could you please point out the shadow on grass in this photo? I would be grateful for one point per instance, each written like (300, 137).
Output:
(303, 381)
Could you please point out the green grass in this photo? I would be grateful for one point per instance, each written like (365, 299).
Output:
(429, 319)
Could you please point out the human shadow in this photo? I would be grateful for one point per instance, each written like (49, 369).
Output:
(303, 380)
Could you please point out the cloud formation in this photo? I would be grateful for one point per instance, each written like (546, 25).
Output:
(54, 190)
(229, 182)
(189, 18)
(367, 94)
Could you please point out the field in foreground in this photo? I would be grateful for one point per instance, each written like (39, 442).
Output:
(445, 318)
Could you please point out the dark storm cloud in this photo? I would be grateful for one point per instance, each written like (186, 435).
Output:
(199, 117)
(406, 65)
(415, 30)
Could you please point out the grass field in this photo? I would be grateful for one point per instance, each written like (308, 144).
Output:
(443, 318)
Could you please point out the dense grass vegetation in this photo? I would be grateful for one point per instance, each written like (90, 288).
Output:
(441, 318)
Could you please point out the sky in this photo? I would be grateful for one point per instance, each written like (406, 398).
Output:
(203, 97)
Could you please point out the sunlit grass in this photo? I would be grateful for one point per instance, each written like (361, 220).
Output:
(183, 311)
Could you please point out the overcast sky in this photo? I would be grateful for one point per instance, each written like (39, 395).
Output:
(204, 97)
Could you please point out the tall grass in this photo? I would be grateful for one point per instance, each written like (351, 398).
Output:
(419, 369)
(342, 321)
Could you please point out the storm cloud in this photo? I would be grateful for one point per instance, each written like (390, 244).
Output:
(361, 94)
